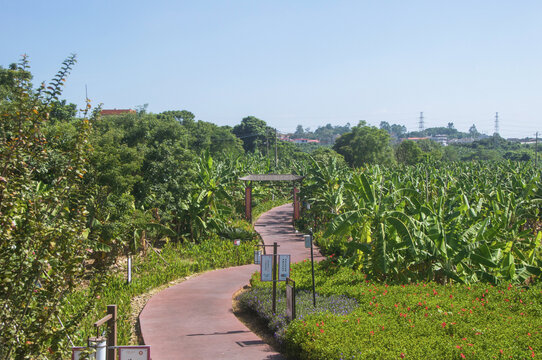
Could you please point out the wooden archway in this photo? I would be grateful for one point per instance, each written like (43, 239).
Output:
(270, 177)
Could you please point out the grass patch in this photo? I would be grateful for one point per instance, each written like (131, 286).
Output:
(416, 321)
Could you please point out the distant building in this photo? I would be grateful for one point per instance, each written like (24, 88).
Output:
(109, 112)
(304, 141)
(441, 139)
(417, 138)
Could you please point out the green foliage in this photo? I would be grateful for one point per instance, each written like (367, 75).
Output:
(444, 223)
(408, 153)
(365, 145)
(43, 238)
(254, 133)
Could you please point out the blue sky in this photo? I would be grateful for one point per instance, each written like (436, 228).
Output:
(294, 62)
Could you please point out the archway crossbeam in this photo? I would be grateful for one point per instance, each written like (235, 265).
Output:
(269, 177)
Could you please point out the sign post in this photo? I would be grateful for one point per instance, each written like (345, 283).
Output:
(129, 268)
(308, 241)
(290, 299)
(237, 243)
(274, 277)
(268, 270)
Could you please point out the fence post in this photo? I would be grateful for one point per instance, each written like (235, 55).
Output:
(112, 332)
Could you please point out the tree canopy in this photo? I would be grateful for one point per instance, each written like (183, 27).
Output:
(365, 145)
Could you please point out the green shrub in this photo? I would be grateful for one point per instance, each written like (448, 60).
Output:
(416, 321)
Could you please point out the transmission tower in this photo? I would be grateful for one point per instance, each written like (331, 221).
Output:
(421, 124)
(497, 123)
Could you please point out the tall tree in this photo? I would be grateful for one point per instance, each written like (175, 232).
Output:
(365, 145)
(408, 152)
(253, 132)
(299, 132)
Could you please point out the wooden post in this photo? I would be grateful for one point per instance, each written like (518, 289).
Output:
(248, 203)
(112, 332)
(296, 204)
(274, 277)
(143, 243)
(290, 299)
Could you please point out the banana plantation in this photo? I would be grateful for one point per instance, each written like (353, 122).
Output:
(444, 222)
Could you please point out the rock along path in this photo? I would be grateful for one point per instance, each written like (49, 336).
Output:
(194, 319)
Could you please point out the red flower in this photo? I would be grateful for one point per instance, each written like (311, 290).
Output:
(443, 324)
(463, 356)
(402, 355)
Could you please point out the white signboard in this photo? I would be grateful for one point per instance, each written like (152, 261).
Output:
(284, 267)
(266, 268)
(307, 241)
(236, 242)
(134, 352)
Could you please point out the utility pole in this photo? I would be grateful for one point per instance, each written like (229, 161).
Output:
(276, 153)
(421, 124)
(536, 152)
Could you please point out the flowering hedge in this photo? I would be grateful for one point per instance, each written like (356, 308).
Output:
(415, 321)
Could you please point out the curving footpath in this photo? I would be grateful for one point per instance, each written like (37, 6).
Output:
(194, 319)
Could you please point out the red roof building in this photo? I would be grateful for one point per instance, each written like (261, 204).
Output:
(107, 112)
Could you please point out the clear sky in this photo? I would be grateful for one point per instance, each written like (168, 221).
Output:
(292, 62)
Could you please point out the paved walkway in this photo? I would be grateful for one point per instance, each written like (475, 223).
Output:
(194, 319)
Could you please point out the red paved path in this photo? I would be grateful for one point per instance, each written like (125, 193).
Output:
(194, 319)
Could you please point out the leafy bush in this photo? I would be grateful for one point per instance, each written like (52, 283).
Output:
(417, 321)
(43, 239)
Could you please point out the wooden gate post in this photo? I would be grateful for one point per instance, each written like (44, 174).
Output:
(248, 203)
(112, 332)
(296, 204)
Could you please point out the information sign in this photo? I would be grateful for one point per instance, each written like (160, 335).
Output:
(266, 268)
(284, 267)
(142, 352)
(307, 241)
(257, 257)
(237, 242)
